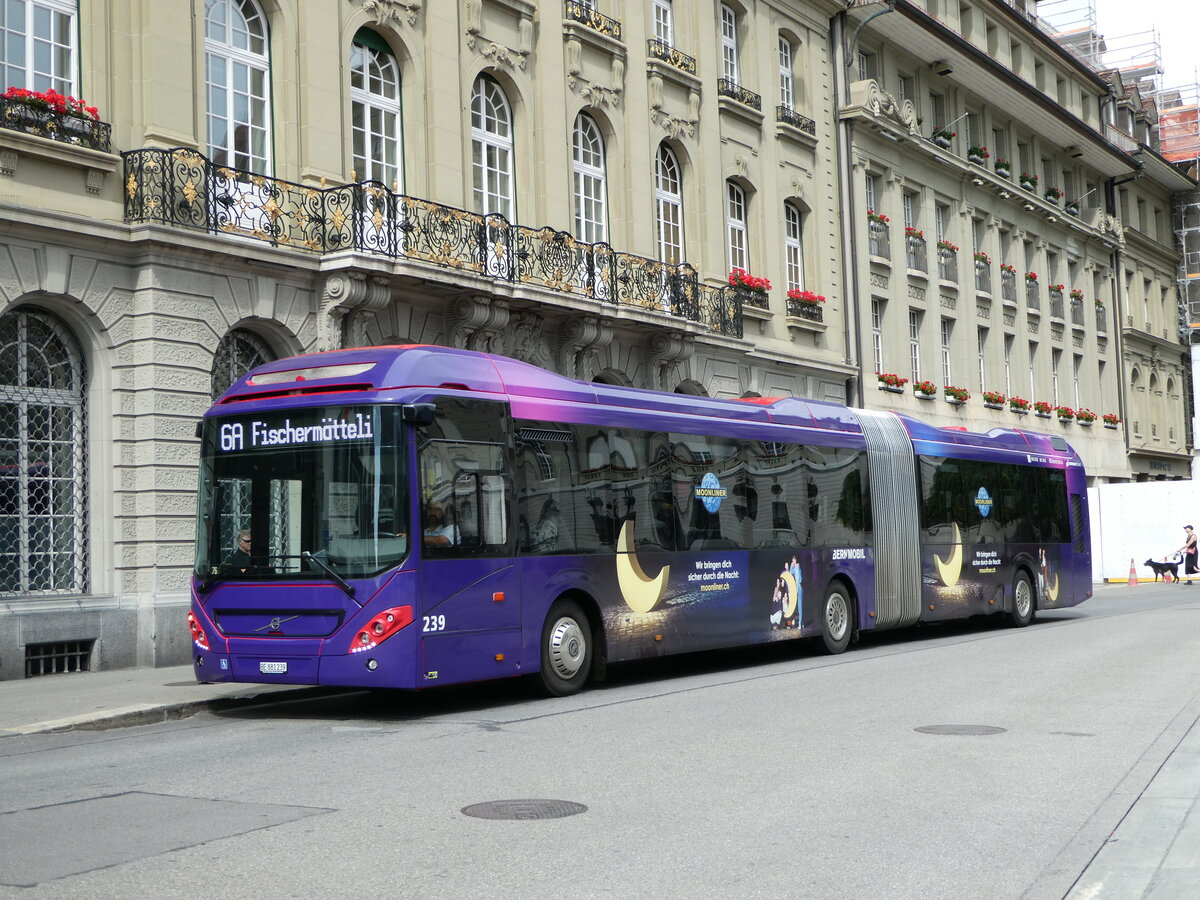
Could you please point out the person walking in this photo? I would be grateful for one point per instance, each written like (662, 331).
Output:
(1189, 552)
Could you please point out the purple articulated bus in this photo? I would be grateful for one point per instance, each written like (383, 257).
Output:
(412, 516)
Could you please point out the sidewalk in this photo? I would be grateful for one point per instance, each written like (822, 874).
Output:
(115, 698)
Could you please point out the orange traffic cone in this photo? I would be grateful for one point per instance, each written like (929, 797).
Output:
(1132, 572)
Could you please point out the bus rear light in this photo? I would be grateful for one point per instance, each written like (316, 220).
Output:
(380, 628)
(199, 638)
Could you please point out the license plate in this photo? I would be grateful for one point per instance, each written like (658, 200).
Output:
(272, 668)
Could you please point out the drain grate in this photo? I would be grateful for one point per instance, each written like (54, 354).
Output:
(960, 729)
(524, 809)
(58, 657)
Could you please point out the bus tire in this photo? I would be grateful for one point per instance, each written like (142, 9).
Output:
(567, 646)
(1022, 611)
(837, 618)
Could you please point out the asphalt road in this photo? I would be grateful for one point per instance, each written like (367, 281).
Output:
(969, 760)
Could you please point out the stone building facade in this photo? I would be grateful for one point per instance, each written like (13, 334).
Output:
(570, 183)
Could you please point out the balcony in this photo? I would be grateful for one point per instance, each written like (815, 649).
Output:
(733, 90)
(585, 15)
(657, 49)
(1101, 320)
(878, 241)
(800, 309)
(1056, 305)
(1008, 286)
(66, 128)
(983, 278)
(183, 189)
(789, 116)
(948, 266)
(1077, 313)
(1033, 296)
(915, 253)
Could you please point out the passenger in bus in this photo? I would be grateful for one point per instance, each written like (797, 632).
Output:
(239, 558)
(438, 531)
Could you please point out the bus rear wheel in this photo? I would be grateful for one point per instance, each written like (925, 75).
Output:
(837, 618)
(566, 649)
(1021, 613)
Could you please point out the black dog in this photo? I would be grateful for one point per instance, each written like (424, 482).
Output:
(1162, 568)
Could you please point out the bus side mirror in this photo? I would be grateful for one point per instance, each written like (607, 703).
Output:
(200, 428)
(418, 413)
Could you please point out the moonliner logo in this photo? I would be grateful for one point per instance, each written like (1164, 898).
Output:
(710, 492)
(983, 502)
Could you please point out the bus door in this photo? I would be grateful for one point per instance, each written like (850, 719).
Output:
(468, 600)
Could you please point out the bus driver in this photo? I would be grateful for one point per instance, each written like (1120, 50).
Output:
(439, 532)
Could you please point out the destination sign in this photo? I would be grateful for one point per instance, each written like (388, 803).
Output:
(298, 427)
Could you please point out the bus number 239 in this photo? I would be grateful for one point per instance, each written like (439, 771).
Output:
(434, 623)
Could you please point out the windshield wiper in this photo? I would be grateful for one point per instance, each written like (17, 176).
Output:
(328, 570)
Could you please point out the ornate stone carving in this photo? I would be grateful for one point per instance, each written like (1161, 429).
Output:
(879, 103)
(391, 12)
(580, 340)
(477, 323)
(526, 341)
(664, 352)
(346, 293)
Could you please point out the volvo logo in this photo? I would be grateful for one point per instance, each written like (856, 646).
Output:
(274, 624)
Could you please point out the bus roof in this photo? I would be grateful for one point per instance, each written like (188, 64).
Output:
(409, 368)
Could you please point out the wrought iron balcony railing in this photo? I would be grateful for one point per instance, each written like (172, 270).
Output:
(1077, 313)
(813, 312)
(183, 188)
(983, 277)
(948, 266)
(67, 128)
(1101, 320)
(1056, 305)
(1033, 297)
(727, 88)
(878, 240)
(668, 54)
(789, 116)
(585, 15)
(1008, 286)
(915, 249)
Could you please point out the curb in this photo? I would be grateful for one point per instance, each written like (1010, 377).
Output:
(153, 714)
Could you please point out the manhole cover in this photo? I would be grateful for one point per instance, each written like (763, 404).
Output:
(960, 729)
(524, 809)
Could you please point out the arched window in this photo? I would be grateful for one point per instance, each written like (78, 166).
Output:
(375, 111)
(793, 246)
(735, 227)
(238, 353)
(491, 148)
(237, 76)
(37, 45)
(591, 213)
(43, 533)
(668, 200)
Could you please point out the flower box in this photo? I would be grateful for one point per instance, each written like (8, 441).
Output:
(989, 405)
(1112, 425)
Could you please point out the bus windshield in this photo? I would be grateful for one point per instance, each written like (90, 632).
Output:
(276, 487)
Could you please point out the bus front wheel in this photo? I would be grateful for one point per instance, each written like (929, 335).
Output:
(1021, 613)
(566, 649)
(837, 621)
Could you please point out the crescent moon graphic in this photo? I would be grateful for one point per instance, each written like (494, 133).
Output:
(789, 608)
(952, 567)
(640, 591)
(1053, 592)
